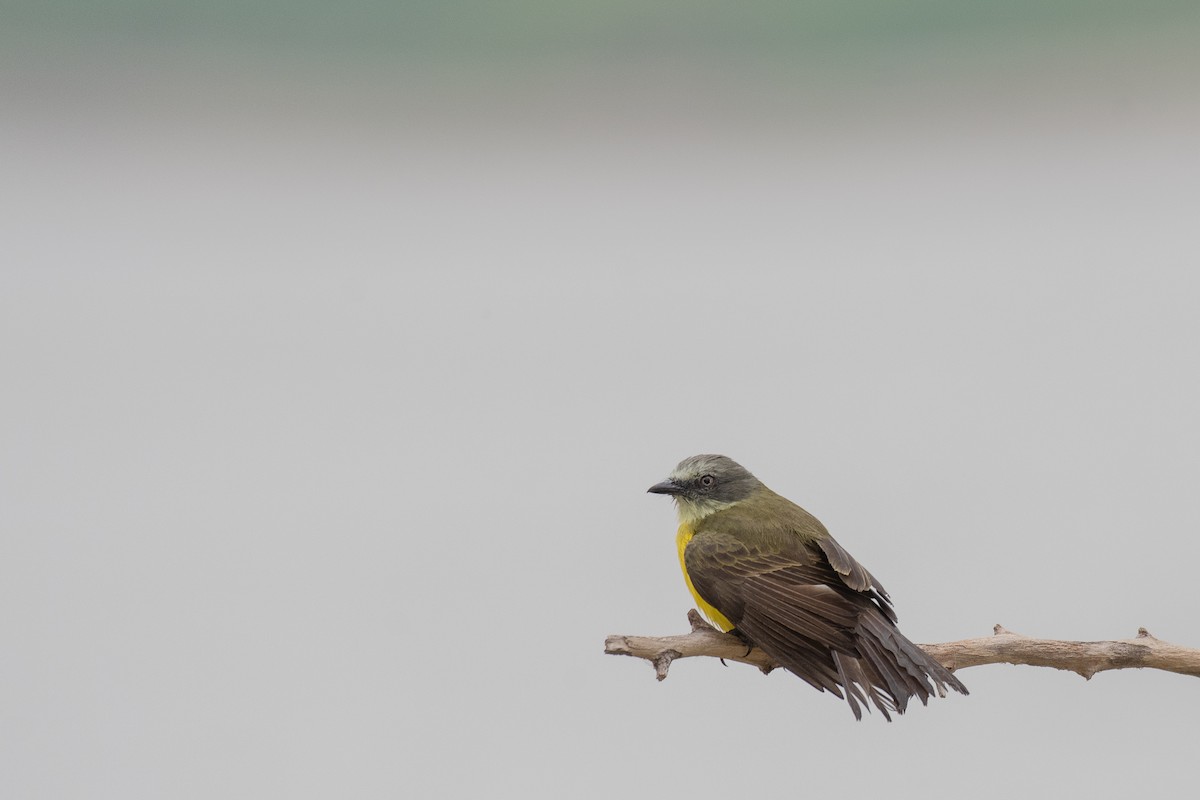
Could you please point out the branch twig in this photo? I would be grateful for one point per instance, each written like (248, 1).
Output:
(1003, 647)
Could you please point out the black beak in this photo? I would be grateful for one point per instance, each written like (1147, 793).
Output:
(666, 487)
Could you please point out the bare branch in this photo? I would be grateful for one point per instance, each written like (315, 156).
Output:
(1084, 658)
(704, 640)
(1003, 647)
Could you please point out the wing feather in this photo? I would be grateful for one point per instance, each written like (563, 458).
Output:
(820, 614)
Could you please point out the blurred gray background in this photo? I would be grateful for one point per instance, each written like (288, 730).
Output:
(340, 343)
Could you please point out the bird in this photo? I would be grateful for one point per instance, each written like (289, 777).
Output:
(764, 569)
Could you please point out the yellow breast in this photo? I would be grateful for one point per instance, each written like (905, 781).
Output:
(685, 534)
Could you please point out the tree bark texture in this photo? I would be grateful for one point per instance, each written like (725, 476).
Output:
(1002, 647)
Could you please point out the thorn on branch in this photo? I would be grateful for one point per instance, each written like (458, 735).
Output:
(662, 662)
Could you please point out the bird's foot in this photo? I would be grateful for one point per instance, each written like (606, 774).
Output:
(749, 644)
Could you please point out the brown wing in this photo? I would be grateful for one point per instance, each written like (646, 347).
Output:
(806, 614)
(855, 575)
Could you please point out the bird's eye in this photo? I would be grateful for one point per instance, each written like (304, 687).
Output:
(707, 481)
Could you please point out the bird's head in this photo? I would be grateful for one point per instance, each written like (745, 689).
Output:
(704, 484)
